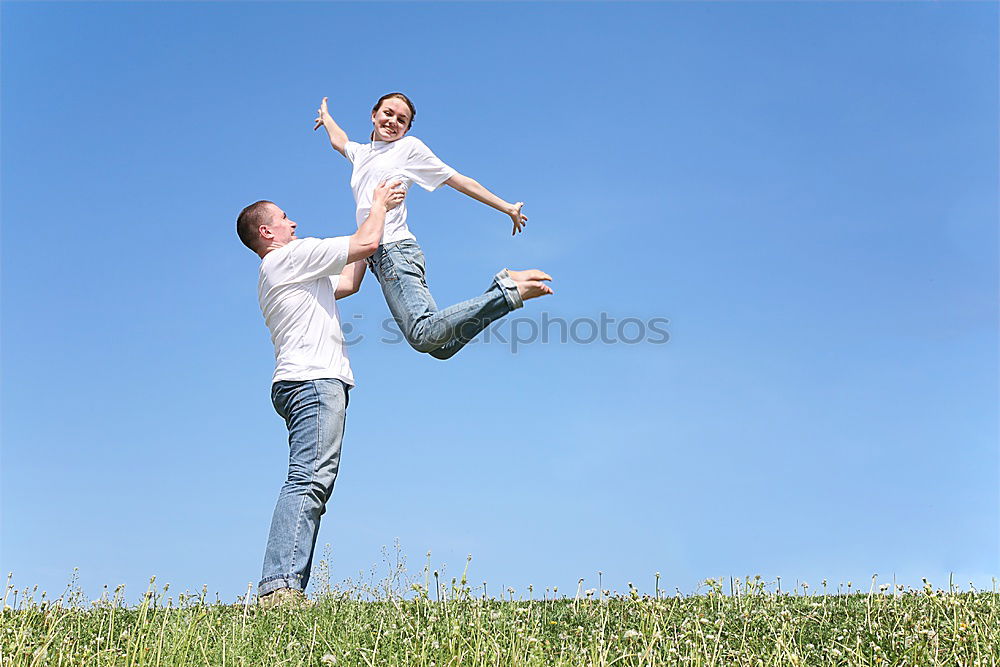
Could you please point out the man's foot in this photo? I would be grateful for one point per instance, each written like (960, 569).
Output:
(286, 598)
(530, 283)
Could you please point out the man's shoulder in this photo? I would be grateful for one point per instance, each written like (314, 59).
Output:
(283, 250)
(279, 256)
(307, 245)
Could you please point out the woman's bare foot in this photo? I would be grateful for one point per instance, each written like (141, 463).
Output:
(530, 283)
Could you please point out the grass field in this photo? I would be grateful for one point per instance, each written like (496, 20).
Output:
(741, 622)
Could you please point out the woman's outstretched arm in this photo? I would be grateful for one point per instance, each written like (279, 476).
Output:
(338, 138)
(471, 187)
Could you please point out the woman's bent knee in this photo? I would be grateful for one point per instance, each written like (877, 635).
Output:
(424, 340)
(444, 353)
(422, 345)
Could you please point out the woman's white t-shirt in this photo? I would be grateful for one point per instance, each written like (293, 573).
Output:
(296, 290)
(407, 160)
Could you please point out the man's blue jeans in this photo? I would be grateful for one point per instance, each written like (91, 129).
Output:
(314, 412)
(399, 268)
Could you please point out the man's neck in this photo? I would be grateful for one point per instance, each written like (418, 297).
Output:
(272, 246)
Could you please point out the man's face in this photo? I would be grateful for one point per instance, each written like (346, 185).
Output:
(280, 230)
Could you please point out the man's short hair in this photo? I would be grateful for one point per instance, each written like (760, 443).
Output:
(249, 221)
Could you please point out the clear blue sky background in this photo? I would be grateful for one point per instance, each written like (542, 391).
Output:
(807, 191)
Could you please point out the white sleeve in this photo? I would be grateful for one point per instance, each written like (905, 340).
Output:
(424, 168)
(309, 258)
(351, 149)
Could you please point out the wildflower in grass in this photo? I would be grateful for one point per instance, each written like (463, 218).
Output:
(329, 659)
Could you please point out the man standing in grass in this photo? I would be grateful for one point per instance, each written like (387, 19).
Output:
(299, 283)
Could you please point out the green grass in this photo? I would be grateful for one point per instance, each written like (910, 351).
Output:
(752, 624)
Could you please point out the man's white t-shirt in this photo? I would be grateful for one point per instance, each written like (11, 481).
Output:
(407, 160)
(296, 290)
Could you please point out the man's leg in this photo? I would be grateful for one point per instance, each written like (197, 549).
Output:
(314, 412)
(399, 268)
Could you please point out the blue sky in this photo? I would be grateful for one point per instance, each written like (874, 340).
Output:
(806, 191)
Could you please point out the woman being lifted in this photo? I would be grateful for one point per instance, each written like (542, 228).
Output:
(398, 264)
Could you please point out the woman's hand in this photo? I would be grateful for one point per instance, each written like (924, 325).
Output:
(520, 221)
(322, 115)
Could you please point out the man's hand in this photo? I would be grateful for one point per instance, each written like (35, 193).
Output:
(387, 196)
(520, 221)
(365, 241)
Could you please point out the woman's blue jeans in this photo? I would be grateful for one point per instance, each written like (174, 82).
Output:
(314, 412)
(399, 268)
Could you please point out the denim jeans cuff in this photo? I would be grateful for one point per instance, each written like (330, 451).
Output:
(509, 289)
(273, 583)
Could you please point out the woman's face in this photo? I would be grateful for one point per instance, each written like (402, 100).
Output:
(391, 120)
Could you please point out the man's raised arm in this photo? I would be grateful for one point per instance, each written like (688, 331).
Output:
(361, 244)
(350, 280)
(365, 241)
